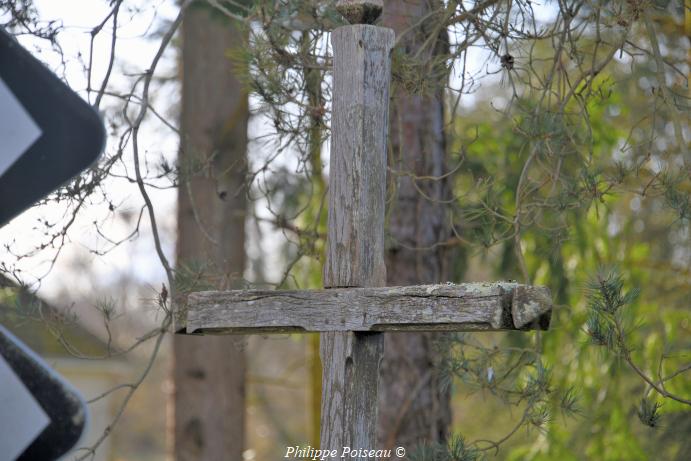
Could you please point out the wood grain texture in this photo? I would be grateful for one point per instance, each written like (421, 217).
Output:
(350, 379)
(355, 240)
(357, 182)
(440, 307)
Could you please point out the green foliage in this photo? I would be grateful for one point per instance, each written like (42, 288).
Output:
(648, 412)
(571, 181)
(568, 404)
(457, 449)
(601, 333)
(607, 293)
(606, 299)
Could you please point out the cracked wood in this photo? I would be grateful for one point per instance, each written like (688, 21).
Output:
(355, 241)
(444, 307)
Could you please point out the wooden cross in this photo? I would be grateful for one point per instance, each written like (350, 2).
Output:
(355, 307)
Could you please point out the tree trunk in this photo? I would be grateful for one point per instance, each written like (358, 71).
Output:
(209, 372)
(413, 406)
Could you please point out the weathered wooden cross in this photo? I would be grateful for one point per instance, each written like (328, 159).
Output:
(356, 307)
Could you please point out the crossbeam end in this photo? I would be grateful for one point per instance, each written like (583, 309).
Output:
(531, 307)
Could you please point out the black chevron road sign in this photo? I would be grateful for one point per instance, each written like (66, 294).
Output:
(48, 134)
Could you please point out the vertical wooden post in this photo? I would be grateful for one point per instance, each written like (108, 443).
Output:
(355, 250)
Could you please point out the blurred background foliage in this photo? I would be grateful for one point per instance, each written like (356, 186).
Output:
(568, 166)
(607, 190)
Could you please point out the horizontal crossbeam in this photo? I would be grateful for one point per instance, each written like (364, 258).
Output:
(444, 307)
